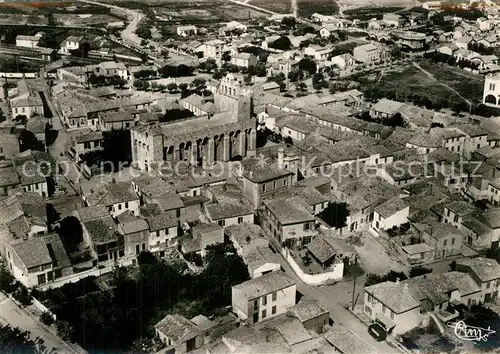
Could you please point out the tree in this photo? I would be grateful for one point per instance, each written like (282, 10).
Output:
(46, 318)
(282, 43)
(15, 340)
(309, 65)
(247, 79)
(418, 271)
(260, 69)
(141, 84)
(65, 331)
(301, 86)
(208, 65)
(226, 56)
(198, 84)
(289, 22)
(317, 81)
(294, 75)
(172, 87)
(393, 276)
(335, 215)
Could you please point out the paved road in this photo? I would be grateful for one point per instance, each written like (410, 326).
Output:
(128, 34)
(12, 314)
(337, 312)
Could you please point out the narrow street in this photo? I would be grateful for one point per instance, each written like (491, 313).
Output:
(12, 314)
(337, 311)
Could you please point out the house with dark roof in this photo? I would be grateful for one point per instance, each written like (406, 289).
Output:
(260, 298)
(84, 141)
(101, 235)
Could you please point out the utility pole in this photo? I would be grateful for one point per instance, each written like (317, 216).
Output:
(353, 292)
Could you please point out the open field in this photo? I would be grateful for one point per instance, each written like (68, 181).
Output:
(305, 7)
(367, 13)
(407, 81)
(354, 4)
(467, 84)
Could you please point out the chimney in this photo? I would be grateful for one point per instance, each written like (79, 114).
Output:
(281, 157)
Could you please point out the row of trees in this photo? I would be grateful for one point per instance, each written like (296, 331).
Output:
(101, 80)
(372, 279)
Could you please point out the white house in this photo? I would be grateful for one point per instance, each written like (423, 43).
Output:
(344, 62)
(28, 41)
(244, 60)
(69, 44)
(186, 31)
(393, 212)
(263, 297)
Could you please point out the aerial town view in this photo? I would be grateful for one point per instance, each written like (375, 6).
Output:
(249, 176)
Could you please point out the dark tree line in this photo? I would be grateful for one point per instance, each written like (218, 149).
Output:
(100, 322)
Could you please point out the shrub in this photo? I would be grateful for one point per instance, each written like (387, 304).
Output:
(46, 318)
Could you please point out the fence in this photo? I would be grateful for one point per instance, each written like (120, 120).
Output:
(19, 75)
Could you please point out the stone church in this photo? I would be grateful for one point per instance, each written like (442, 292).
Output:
(226, 135)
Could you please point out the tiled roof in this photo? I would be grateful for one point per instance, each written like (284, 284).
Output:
(263, 285)
(177, 327)
(396, 296)
(484, 268)
(33, 253)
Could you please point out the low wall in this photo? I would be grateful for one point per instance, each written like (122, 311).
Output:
(43, 308)
(336, 273)
(19, 75)
(75, 277)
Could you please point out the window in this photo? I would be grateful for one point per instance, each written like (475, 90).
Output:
(453, 241)
(264, 314)
(384, 308)
(240, 219)
(119, 207)
(273, 310)
(137, 249)
(488, 285)
(41, 279)
(455, 219)
(264, 300)
(221, 222)
(157, 233)
(256, 304)
(285, 182)
(126, 204)
(445, 242)
(194, 193)
(448, 212)
(143, 246)
(274, 296)
(478, 146)
(392, 315)
(263, 187)
(492, 87)
(306, 226)
(274, 185)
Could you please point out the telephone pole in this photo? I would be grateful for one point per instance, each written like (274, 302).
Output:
(353, 292)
